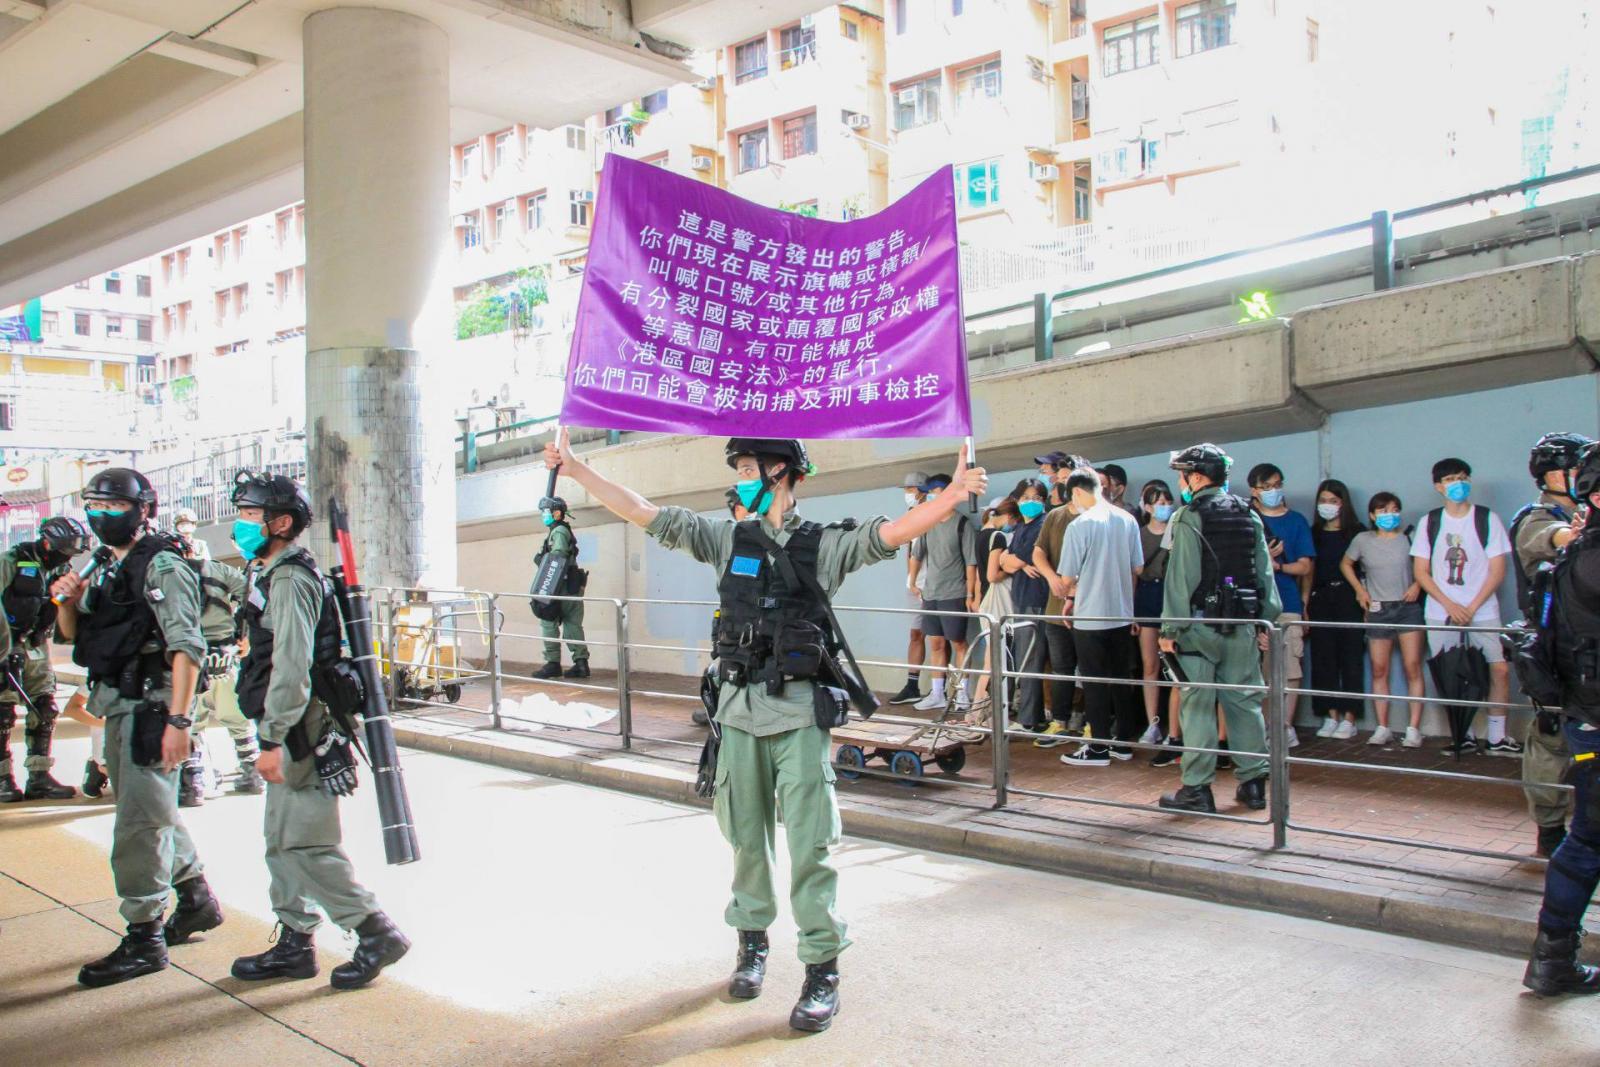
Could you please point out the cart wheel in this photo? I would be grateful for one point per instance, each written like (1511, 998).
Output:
(907, 765)
(851, 757)
(952, 762)
(452, 693)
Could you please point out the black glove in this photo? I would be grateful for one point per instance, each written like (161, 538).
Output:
(17, 660)
(336, 765)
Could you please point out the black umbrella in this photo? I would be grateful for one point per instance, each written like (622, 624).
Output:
(1460, 673)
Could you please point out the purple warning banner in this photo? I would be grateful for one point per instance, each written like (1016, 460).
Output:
(702, 313)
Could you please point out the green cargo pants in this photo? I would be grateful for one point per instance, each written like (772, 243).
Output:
(307, 866)
(1231, 659)
(219, 706)
(151, 850)
(570, 629)
(1544, 761)
(755, 777)
(39, 681)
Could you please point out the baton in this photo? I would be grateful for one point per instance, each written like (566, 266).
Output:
(16, 687)
(101, 557)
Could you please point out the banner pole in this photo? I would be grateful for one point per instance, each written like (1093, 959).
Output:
(972, 461)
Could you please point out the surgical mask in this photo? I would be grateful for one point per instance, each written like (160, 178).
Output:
(1161, 512)
(549, 519)
(1188, 497)
(115, 528)
(1388, 520)
(911, 500)
(251, 537)
(1044, 480)
(1031, 509)
(748, 491)
(186, 528)
(1328, 512)
(1271, 498)
(1008, 527)
(1458, 491)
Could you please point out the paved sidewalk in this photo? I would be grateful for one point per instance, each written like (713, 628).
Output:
(1466, 899)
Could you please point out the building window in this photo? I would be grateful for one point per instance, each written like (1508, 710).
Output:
(799, 44)
(753, 149)
(141, 285)
(142, 329)
(50, 322)
(750, 61)
(978, 185)
(502, 149)
(956, 8)
(577, 138)
(471, 236)
(654, 103)
(800, 136)
(535, 210)
(238, 243)
(113, 326)
(850, 30)
(1203, 26)
(501, 212)
(469, 158)
(1313, 40)
(8, 413)
(900, 16)
(284, 283)
(977, 84)
(80, 323)
(113, 282)
(916, 103)
(578, 207)
(1132, 45)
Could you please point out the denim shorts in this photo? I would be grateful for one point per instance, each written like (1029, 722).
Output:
(1404, 614)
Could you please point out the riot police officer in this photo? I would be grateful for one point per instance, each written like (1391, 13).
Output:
(26, 573)
(1219, 568)
(135, 627)
(223, 588)
(1574, 630)
(770, 571)
(1538, 533)
(292, 623)
(568, 625)
(186, 522)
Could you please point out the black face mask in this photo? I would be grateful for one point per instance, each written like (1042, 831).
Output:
(115, 528)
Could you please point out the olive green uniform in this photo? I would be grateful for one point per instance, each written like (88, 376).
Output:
(774, 756)
(569, 627)
(1211, 657)
(38, 677)
(151, 850)
(1545, 756)
(307, 865)
(223, 588)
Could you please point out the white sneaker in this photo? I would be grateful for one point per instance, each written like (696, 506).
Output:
(1290, 737)
(1413, 738)
(931, 702)
(963, 699)
(1151, 735)
(1329, 726)
(1381, 736)
(1345, 732)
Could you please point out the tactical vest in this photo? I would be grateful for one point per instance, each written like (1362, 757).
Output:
(27, 599)
(1575, 628)
(762, 621)
(255, 671)
(120, 621)
(1524, 572)
(1228, 545)
(575, 580)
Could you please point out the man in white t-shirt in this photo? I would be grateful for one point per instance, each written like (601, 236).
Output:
(1459, 555)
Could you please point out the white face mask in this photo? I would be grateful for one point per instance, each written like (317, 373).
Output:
(186, 528)
(1328, 512)
(911, 500)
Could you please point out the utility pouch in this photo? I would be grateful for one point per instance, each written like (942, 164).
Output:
(830, 705)
(800, 649)
(297, 743)
(149, 724)
(1549, 723)
(339, 686)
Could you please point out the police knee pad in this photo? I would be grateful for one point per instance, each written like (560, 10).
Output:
(45, 707)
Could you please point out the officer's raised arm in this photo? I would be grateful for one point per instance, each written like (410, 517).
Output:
(621, 501)
(925, 516)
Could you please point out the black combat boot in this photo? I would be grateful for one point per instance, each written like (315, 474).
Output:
(751, 966)
(41, 786)
(577, 670)
(142, 951)
(1550, 838)
(249, 781)
(292, 955)
(549, 670)
(9, 793)
(1191, 798)
(1252, 794)
(381, 943)
(94, 780)
(819, 998)
(1554, 968)
(190, 792)
(197, 911)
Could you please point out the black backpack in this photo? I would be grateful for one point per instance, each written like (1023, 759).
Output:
(1525, 597)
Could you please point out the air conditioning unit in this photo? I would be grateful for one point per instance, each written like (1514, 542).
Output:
(706, 85)
(857, 121)
(1043, 172)
(585, 196)
(702, 163)
(906, 98)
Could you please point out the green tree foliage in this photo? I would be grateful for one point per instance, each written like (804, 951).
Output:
(488, 310)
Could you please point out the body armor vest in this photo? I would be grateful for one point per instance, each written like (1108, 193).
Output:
(255, 671)
(766, 629)
(1228, 548)
(120, 621)
(1575, 626)
(27, 600)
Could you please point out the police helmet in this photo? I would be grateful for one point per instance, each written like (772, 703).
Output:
(793, 452)
(275, 494)
(64, 536)
(1559, 451)
(1206, 459)
(1587, 479)
(122, 483)
(552, 503)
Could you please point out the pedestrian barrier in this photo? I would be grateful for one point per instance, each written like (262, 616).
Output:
(483, 651)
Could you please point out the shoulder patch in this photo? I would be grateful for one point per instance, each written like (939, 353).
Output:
(155, 595)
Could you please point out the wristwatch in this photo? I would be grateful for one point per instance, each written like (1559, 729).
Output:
(182, 722)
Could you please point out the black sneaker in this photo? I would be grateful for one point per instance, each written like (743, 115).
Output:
(1087, 756)
(909, 693)
(1506, 747)
(1467, 747)
(94, 780)
(1166, 758)
(1120, 754)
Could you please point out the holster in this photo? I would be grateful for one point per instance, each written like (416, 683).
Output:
(830, 705)
(149, 724)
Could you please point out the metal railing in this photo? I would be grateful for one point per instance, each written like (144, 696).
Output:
(988, 663)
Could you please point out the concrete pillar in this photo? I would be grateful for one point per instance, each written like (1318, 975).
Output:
(377, 129)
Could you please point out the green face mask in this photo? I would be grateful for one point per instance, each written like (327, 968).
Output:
(251, 537)
(752, 497)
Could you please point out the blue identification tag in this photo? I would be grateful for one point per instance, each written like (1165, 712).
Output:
(745, 566)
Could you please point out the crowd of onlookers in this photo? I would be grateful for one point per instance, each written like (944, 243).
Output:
(1070, 545)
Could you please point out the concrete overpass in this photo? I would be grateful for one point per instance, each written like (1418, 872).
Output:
(127, 126)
